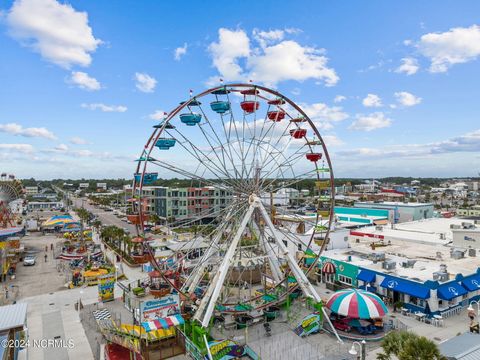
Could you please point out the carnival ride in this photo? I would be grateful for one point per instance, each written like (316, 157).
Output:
(247, 141)
(10, 190)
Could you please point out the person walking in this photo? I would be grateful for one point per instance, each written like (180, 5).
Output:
(6, 292)
(51, 246)
(46, 257)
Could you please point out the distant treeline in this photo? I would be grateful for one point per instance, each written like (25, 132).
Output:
(175, 182)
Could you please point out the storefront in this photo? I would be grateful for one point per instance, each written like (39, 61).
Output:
(340, 273)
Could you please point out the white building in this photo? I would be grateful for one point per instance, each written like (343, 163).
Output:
(34, 205)
(83, 185)
(31, 190)
(102, 186)
(466, 235)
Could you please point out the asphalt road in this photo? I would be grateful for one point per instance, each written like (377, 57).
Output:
(106, 217)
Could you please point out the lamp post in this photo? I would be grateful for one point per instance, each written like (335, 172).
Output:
(362, 347)
(470, 307)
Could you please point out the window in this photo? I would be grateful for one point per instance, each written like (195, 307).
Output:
(345, 279)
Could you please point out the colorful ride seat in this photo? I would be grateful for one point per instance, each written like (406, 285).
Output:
(278, 101)
(193, 102)
(277, 115)
(148, 178)
(221, 91)
(220, 107)
(249, 106)
(167, 126)
(190, 119)
(314, 157)
(298, 133)
(251, 91)
(165, 143)
(298, 120)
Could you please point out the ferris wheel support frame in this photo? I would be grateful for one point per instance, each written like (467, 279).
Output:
(207, 305)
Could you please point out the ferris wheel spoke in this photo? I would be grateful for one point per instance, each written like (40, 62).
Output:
(290, 183)
(289, 162)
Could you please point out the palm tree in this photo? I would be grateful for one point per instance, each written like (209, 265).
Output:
(405, 345)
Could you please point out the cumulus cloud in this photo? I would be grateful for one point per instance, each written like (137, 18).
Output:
(61, 147)
(339, 98)
(78, 141)
(323, 115)
(19, 130)
(455, 46)
(84, 81)
(273, 60)
(370, 122)
(23, 148)
(145, 82)
(372, 100)
(105, 108)
(180, 51)
(408, 66)
(332, 140)
(58, 32)
(157, 115)
(407, 99)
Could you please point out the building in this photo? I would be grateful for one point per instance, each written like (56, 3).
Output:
(31, 190)
(466, 235)
(83, 185)
(474, 211)
(462, 347)
(402, 211)
(352, 216)
(13, 323)
(186, 203)
(37, 205)
(101, 186)
(414, 267)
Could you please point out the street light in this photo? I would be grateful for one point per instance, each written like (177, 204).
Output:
(470, 307)
(361, 345)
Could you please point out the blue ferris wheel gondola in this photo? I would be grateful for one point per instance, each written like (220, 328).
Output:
(165, 143)
(190, 119)
(148, 178)
(220, 107)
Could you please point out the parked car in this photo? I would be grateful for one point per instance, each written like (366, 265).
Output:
(29, 260)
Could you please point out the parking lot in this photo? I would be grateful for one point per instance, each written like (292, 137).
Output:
(43, 277)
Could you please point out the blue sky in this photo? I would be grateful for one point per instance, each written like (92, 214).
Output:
(393, 87)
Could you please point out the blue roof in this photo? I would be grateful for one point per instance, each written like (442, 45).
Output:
(366, 275)
(406, 287)
(450, 291)
(472, 283)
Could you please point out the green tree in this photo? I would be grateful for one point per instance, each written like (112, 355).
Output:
(405, 345)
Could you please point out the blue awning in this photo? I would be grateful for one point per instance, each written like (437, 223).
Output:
(366, 275)
(450, 291)
(406, 287)
(472, 283)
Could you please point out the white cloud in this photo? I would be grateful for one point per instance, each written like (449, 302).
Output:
(332, 140)
(274, 60)
(57, 31)
(409, 66)
(78, 141)
(180, 51)
(456, 46)
(84, 81)
(105, 108)
(157, 115)
(372, 100)
(61, 147)
(23, 148)
(19, 130)
(339, 98)
(469, 142)
(145, 82)
(323, 115)
(231, 45)
(370, 122)
(407, 99)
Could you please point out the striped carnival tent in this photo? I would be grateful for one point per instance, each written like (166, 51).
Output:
(357, 304)
(328, 268)
(163, 323)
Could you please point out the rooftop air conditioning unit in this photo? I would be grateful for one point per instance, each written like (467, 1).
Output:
(378, 256)
(457, 254)
(408, 263)
(440, 276)
(472, 252)
(389, 264)
(442, 236)
(379, 228)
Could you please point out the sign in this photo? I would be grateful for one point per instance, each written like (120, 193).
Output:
(106, 287)
(225, 350)
(160, 308)
(310, 324)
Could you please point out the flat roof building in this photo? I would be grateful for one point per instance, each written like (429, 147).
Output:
(402, 211)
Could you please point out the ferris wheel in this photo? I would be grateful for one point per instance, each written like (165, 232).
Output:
(258, 172)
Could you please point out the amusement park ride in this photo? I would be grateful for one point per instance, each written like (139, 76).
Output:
(250, 141)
